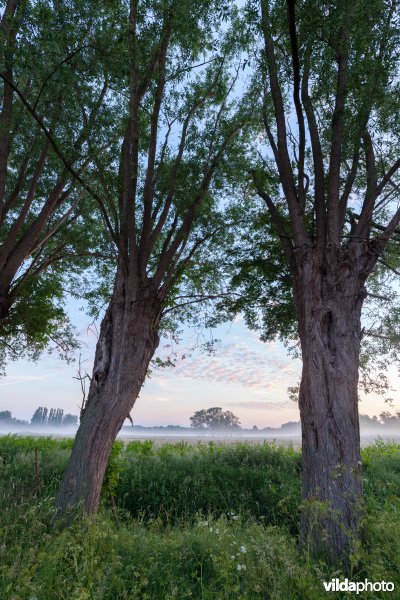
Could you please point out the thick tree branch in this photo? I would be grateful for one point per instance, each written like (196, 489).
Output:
(333, 229)
(365, 220)
(148, 191)
(348, 186)
(283, 163)
(318, 162)
(20, 220)
(296, 98)
(276, 218)
(155, 234)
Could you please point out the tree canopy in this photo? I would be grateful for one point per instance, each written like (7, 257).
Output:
(49, 230)
(214, 419)
(175, 121)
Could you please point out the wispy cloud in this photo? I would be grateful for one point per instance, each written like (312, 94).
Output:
(273, 406)
(152, 398)
(15, 379)
(236, 363)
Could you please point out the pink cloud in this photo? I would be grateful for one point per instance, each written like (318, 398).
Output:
(236, 363)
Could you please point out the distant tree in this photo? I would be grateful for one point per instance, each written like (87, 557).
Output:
(367, 421)
(5, 416)
(214, 418)
(39, 416)
(56, 416)
(388, 419)
(70, 419)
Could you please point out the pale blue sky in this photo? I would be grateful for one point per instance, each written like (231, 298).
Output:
(245, 375)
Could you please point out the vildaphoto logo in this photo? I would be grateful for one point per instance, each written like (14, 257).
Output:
(336, 585)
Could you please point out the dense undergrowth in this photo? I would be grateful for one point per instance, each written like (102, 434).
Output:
(182, 521)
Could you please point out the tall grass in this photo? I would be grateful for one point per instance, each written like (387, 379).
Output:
(207, 522)
(176, 482)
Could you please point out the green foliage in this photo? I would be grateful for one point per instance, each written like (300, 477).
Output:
(260, 277)
(214, 418)
(49, 229)
(382, 473)
(224, 554)
(212, 559)
(12, 445)
(260, 481)
(260, 282)
(113, 470)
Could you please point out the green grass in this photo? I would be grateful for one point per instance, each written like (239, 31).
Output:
(206, 521)
(176, 482)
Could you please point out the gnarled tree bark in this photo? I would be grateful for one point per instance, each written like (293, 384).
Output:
(127, 341)
(329, 293)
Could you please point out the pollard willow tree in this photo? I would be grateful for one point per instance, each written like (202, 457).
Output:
(47, 220)
(182, 134)
(329, 80)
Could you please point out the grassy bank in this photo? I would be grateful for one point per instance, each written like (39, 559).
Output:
(204, 521)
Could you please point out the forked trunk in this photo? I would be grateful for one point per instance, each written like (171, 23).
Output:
(329, 293)
(128, 339)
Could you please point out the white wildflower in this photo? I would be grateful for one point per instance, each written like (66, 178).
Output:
(243, 549)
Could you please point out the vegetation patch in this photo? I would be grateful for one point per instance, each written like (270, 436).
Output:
(206, 521)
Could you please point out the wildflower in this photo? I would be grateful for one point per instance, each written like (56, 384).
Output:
(241, 567)
(243, 549)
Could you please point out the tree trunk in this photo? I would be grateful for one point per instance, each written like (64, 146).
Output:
(329, 293)
(128, 339)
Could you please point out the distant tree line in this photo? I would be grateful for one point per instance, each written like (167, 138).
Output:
(216, 419)
(207, 419)
(7, 418)
(54, 417)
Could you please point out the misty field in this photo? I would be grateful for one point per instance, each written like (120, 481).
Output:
(204, 521)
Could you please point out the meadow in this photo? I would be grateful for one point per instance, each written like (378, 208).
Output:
(202, 521)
